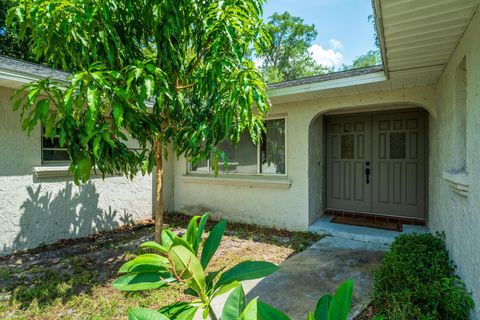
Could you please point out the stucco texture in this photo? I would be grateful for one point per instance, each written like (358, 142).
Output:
(457, 215)
(35, 211)
(297, 207)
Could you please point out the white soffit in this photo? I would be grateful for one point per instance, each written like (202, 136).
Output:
(421, 34)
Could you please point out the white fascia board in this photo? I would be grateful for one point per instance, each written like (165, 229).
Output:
(15, 79)
(329, 84)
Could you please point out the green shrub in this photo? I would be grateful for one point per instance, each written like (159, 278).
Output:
(416, 281)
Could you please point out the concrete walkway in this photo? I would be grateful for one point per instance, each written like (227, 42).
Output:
(374, 235)
(302, 279)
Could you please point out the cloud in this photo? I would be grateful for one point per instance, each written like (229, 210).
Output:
(328, 57)
(336, 44)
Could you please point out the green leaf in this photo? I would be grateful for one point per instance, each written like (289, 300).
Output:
(250, 312)
(234, 305)
(117, 112)
(341, 302)
(155, 261)
(154, 246)
(247, 270)
(188, 267)
(200, 229)
(83, 169)
(143, 281)
(212, 243)
(191, 234)
(179, 311)
(267, 312)
(323, 304)
(145, 314)
(42, 109)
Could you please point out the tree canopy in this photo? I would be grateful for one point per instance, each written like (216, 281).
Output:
(288, 58)
(161, 72)
(202, 88)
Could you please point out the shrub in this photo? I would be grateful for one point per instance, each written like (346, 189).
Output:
(416, 281)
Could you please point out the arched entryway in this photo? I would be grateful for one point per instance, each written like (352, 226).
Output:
(370, 163)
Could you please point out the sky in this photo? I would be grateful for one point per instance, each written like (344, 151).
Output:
(344, 31)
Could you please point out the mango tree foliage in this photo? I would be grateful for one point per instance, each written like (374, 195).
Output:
(161, 72)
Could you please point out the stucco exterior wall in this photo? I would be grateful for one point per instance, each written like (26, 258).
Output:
(35, 211)
(457, 215)
(252, 200)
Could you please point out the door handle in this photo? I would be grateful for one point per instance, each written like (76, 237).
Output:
(367, 173)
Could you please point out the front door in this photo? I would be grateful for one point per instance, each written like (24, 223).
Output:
(376, 164)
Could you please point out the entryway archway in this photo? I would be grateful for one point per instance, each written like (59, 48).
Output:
(376, 163)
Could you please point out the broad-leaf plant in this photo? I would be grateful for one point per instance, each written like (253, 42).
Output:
(183, 261)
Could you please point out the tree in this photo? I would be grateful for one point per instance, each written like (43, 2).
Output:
(9, 44)
(185, 57)
(288, 58)
(371, 58)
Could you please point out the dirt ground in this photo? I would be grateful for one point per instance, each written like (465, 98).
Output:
(72, 279)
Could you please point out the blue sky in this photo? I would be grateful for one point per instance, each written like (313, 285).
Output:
(344, 32)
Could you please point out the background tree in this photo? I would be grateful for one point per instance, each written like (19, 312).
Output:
(288, 58)
(372, 57)
(186, 57)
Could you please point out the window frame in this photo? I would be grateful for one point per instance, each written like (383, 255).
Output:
(259, 164)
(51, 162)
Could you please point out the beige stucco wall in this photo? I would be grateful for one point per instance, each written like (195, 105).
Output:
(36, 211)
(458, 216)
(297, 207)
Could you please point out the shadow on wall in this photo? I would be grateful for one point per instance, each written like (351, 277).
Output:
(48, 216)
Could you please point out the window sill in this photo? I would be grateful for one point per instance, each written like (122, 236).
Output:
(458, 181)
(58, 171)
(239, 181)
(51, 171)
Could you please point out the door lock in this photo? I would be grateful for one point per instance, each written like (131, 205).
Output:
(367, 173)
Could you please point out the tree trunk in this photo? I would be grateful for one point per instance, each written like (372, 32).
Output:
(158, 192)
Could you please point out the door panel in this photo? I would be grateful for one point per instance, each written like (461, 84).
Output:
(348, 149)
(399, 162)
(392, 147)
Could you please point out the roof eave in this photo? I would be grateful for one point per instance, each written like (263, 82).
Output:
(377, 13)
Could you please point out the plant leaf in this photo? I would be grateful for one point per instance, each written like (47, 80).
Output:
(234, 305)
(145, 314)
(212, 243)
(321, 310)
(143, 281)
(341, 302)
(179, 311)
(188, 267)
(191, 234)
(150, 259)
(267, 312)
(200, 229)
(247, 270)
(154, 246)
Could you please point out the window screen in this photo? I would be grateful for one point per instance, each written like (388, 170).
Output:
(247, 158)
(241, 158)
(52, 151)
(272, 151)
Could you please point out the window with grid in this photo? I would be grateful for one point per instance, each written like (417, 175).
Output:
(52, 152)
(266, 158)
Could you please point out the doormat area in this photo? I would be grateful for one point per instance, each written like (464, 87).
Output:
(372, 223)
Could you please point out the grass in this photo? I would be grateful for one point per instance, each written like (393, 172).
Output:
(72, 280)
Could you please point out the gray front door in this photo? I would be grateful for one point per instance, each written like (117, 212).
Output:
(376, 164)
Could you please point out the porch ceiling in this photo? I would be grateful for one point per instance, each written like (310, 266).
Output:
(421, 35)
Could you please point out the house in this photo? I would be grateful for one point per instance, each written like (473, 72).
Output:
(397, 141)
(39, 203)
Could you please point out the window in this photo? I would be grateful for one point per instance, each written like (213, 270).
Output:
(51, 150)
(267, 158)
